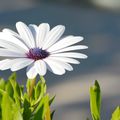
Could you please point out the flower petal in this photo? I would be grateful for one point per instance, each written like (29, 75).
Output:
(61, 63)
(53, 36)
(54, 67)
(25, 34)
(65, 42)
(70, 54)
(42, 32)
(10, 32)
(31, 71)
(34, 30)
(65, 59)
(5, 64)
(20, 63)
(41, 67)
(12, 41)
(77, 47)
(8, 53)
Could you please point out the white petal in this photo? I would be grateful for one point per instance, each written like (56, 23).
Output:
(10, 32)
(65, 42)
(34, 30)
(54, 67)
(70, 54)
(20, 63)
(53, 36)
(12, 41)
(40, 67)
(8, 53)
(77, 47)
(25, 34)
(42, 32)
(5, 64)
(61, 63)
(65, 59)
(31, 71)
(11, 46)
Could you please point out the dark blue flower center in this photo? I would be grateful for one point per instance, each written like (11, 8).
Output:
(37, 54)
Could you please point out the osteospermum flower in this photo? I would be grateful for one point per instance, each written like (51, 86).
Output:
(38, 48)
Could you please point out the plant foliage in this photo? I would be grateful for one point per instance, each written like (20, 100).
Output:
(95, 103)
(15, 104)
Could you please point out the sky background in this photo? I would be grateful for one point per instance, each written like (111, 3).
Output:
(98, 21)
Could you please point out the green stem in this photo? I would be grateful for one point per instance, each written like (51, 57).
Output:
(32, 84)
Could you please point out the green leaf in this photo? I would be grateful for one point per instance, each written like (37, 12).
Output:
(16, 88)
(26, 110)
(2, 83)
(52, 114)
(40, 90)
(10, 111)
(51, 100)
(2, 87)
(42, 109)
(95, 101)
(37, 90)
(9, 89)
(116, 114)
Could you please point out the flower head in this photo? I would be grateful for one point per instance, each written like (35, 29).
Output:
(38, 48)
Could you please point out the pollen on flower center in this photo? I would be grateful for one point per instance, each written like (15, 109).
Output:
(37, 54)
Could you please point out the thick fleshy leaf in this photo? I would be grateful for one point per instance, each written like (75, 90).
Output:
(95, 101)
(53, 36)
(43, 30)
(2, 83)
(10, 111)
(26, 110)
(25, 34)
(116, 114)
(16, 89)
(42, 111)
(20, 63)
(65, 42)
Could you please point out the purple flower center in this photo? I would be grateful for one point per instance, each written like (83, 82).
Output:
(37, 54)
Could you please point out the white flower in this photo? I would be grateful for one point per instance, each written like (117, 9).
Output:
(38, 48)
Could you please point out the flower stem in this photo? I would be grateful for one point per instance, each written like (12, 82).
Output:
(32, 84)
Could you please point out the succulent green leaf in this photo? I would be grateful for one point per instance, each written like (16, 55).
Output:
(42, 109)
(95, 101)
(37, 90)
(2, 83)
(26, 110)
(10, 111)
(40, 90)
(51, 100)
(116, 114)
(52, 114)
(9, 89)
(16, 88)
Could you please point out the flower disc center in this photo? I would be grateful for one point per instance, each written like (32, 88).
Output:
(37, 54)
